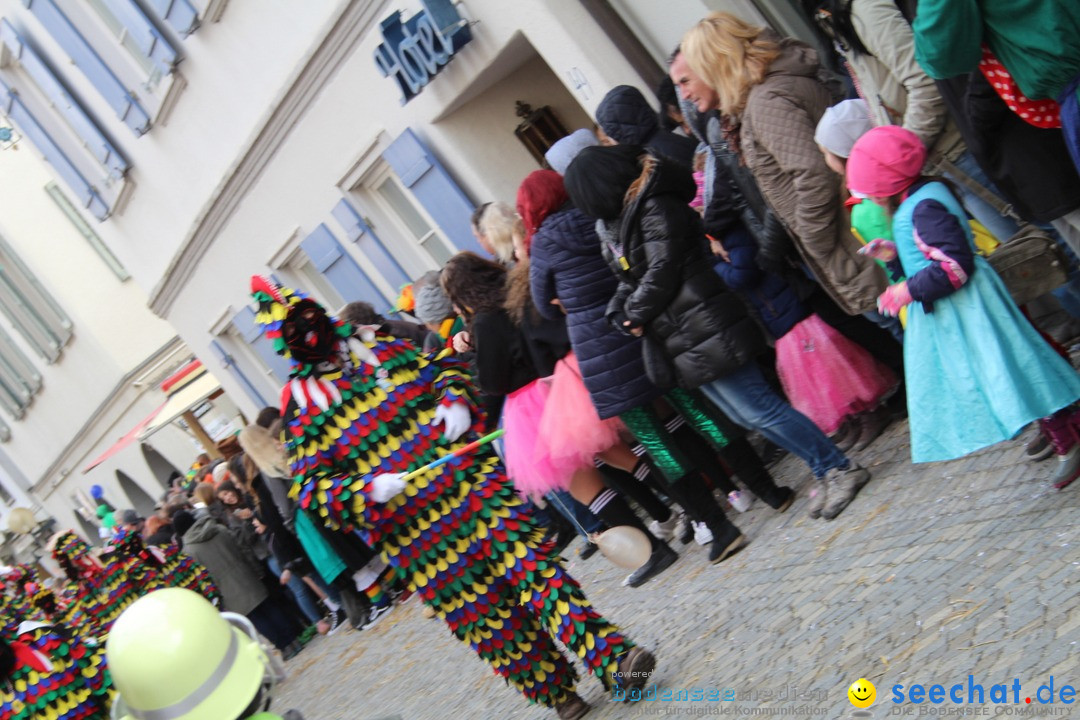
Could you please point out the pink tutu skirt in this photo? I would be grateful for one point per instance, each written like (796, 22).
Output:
(527, 459)
(573, 430)
(828, 377)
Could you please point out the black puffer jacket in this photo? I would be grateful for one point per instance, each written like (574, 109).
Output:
(667, 284)
(627, 118)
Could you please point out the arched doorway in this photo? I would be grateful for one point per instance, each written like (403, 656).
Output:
(140, 499)
(89, 529)
(161, 468)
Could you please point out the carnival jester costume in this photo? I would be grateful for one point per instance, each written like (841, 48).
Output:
(358, 413)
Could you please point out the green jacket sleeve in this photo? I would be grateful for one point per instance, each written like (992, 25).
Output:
(948, 37)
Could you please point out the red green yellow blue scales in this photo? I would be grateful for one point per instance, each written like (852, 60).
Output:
(54, 675)
(458, 535)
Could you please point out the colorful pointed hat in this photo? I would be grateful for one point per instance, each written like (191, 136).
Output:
(300, 329)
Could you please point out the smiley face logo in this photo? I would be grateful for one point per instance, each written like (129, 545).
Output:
(862, 693)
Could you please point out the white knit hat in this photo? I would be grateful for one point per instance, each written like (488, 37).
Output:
(841, 125)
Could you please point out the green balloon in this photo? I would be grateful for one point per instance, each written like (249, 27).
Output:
(108, 521)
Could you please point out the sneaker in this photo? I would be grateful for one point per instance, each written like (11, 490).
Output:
(665, 531)
(1039, 448)
(721, 550)
(702, 534)
(818, 498)
(334, 621)
(291, 650)
(739, 500)
(1068, 469)
(869, 426)
(846, 436)
(588, 550)
(634, 669)
(572, 707)
(376, 612)
(843, 485)
(660, 560)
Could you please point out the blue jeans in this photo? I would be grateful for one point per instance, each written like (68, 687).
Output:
(747, 399)
(578, 515)
(299, 590)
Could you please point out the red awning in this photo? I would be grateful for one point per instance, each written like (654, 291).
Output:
(123, 442)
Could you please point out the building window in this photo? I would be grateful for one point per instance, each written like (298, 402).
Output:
(19, 381)
(82, 55)
(50, 117)
(414, 239)
(248, 334)
(30, 308)
(313, 283)
(86, 231)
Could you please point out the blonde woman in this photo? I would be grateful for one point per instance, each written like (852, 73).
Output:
(502, 230)
(771, 95)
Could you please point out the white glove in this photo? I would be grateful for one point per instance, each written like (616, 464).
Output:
(455, 418)
(386, 485)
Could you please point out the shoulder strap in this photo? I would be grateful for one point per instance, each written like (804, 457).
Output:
(1005, 209)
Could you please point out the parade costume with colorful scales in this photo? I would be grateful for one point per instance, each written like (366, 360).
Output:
(103, 590)
(50, 675)
(458, 535)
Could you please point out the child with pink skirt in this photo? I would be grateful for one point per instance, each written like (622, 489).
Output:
(827, 377)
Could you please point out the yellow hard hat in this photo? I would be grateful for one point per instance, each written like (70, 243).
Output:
(173, 656)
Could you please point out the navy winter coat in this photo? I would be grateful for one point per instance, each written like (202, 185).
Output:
(566, 263)
(627, 118)
(776, 302)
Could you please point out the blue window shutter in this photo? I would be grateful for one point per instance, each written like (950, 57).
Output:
(230, 364)
(153, 44)
(330, 259)
(180, 14)
(84, 191)
(369, 243)
(125, 105)
(252, 332)
(432, 186)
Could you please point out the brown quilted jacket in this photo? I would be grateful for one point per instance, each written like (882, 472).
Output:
(778, 146)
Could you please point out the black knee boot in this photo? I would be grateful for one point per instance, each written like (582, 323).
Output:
(632, 485)
(691, 492)
(613, 510)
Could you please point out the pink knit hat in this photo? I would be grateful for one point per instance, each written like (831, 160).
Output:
(884, 162)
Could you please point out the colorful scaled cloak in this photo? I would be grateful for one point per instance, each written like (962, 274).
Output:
(458, 535)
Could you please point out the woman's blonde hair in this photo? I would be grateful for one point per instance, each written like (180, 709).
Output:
(498, 225)
(731, 57)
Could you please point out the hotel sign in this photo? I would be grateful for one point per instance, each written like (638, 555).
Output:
(414, 51)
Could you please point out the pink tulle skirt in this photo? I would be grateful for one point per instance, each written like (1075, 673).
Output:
(552, 430)
(828, 377)
(571, 426)
(527, 458)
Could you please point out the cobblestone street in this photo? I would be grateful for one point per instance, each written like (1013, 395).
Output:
(935, 572)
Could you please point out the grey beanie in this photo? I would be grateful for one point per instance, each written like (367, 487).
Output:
(432, 304)
(841, 125)
(562, 153)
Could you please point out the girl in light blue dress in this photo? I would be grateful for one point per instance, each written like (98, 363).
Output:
(977, 371)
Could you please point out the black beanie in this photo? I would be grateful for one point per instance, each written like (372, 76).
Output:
(182, 522)
(599, 177)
